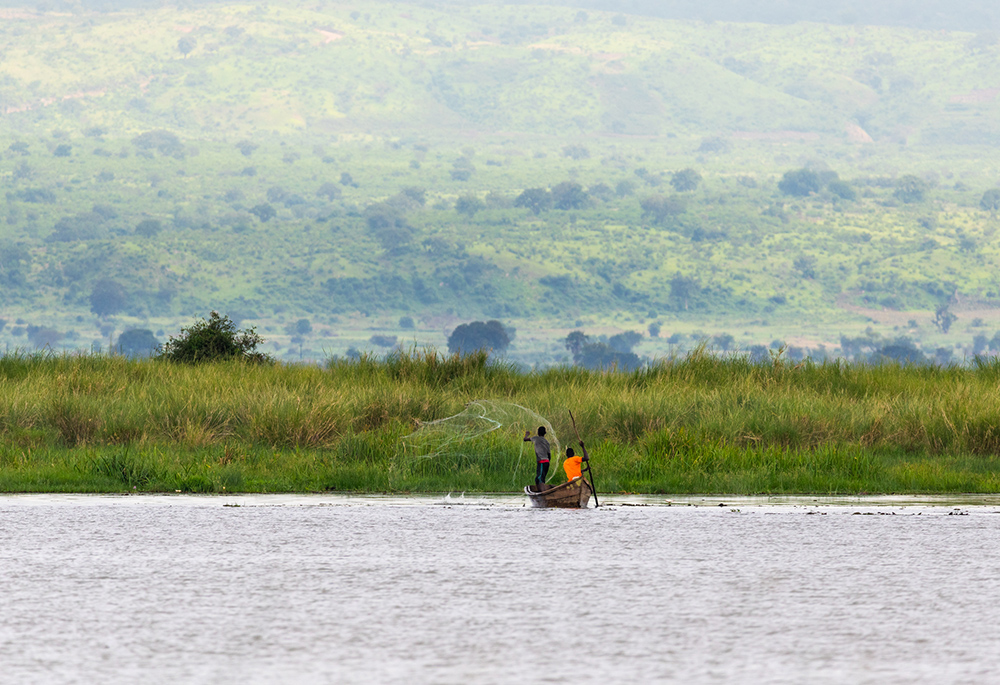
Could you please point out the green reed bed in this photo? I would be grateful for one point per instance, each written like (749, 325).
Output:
(696, 424)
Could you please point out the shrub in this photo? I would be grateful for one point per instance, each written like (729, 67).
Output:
(685, 180)
(107, 297)
(478, 335)
(214, 339)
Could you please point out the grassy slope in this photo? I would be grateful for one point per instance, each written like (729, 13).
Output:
(404, 85)
(695, 425)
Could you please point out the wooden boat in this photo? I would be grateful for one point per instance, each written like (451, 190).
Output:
(573, 494)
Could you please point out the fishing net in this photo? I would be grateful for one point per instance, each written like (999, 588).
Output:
(487, 432)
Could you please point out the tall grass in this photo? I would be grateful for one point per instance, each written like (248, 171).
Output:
(699, 423)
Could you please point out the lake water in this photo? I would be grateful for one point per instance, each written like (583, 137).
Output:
(335, 589)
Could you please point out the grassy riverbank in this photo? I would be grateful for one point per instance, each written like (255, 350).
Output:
(698, 424)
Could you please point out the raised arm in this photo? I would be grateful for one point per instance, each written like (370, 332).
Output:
(527, 436)
(586, 457)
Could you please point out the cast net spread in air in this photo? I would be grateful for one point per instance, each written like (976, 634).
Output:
(489, 433)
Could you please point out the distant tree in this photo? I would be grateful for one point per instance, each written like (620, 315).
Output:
(478, 335)
(330, 191)
(843, 190)
(980, 343)
(660, 208)
(724, 341)
(805, 265)
(406, 322)
(602, 356)
(43, 336)
(685, 180)
(901, 351)
(418, 196)
(347, 180)
(19, 147)
(576, 152)
(800, 182)
(654, 329)
(383, 340)
(468, 205)
(575, 341)
(682, 288)
(246, 147)
(148, 228)
(910, 189)
(186, 44)
(569, 195)
(164, 142)
(107, 297)
(302, 327)
(276, 194)
(214, 339)
(63, 150)
(624, 188)
(991, 201)
(535, 199)
(15, 262)
(943, 318)
(137, 342)
(264, 212)
(624, 342)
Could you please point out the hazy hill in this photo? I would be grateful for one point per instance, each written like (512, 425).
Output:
(305, 160)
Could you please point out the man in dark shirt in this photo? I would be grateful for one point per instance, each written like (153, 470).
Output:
(542, 455)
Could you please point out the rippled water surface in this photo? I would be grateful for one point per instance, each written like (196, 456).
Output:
(351, 590)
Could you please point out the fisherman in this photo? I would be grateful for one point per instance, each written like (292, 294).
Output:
(573, 465)
(542, 455)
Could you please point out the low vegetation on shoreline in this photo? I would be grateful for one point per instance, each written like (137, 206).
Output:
(693, 424)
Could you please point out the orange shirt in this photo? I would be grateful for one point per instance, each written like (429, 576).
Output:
(572, 467)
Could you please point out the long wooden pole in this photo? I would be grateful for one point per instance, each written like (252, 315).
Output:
(590, 471)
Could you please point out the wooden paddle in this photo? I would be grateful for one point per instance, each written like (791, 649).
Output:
(589, 471)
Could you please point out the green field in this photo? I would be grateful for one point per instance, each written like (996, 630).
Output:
(190, 119)
(700, 424)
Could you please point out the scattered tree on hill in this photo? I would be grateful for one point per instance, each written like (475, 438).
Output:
(214, 339)
(569, 195)
(63, 150)
(654, 329)
(107, 297)
(186, 44)
(843, 190)
(468, 205)
(137, 342)
(685, 180)
(576, 152)
(164, 142)
(246, 147)
(800, 182)
(535, 199)
(264, 212)
(660, 208)
(682, 288)
(805, 265)
(330, 191)
(991, 201)
(624, 188)
(910, 189)
(383, 340)
(15, 262)
(148, 228)
(478, 335)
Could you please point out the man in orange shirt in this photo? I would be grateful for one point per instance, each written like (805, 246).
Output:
(573, 465)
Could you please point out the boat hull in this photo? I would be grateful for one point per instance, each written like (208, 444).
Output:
(574, 494)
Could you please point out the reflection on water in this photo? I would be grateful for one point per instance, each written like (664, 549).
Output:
(337, 589)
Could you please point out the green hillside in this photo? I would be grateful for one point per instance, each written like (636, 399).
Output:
(144, 152)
